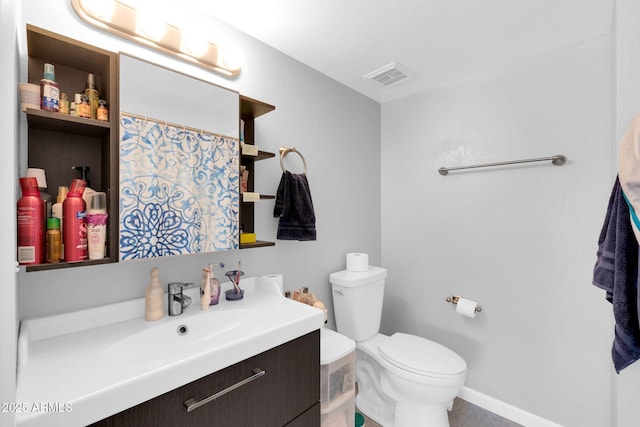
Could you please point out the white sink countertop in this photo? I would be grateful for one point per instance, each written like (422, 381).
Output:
(78, 368)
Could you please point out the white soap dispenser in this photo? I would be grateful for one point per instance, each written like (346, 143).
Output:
(154, 298)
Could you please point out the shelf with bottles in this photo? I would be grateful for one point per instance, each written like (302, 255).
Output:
(58, 142)
(247, 161)
(73, 61)
(41, 119)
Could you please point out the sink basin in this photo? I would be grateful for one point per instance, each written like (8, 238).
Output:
(176, 336)
(100, 361)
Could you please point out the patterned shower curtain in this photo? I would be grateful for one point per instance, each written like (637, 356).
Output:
(178, 190)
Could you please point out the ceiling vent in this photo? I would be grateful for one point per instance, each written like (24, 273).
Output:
(389, 75)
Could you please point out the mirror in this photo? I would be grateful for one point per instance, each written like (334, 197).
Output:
(179, 153)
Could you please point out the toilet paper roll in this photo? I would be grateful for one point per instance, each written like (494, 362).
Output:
(357, 262)
(467, 308)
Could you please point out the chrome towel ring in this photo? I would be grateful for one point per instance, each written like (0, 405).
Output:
(284, 151)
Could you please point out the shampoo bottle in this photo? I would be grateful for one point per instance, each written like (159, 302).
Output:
(74, 223)
(154, 298)
(30, 218)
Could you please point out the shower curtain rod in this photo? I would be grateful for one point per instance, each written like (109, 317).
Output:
(557, 160)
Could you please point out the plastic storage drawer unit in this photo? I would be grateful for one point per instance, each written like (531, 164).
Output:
(337, 379)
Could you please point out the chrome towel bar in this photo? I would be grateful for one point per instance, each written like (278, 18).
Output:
(557, 160)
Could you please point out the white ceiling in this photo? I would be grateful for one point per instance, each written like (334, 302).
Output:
(438, 41)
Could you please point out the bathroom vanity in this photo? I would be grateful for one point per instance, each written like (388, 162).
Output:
(286, 394)
(259, 357)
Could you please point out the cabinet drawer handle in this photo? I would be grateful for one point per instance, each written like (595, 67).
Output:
(191, 404)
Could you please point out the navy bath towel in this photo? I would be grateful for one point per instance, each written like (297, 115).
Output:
(616, 271)
(294, 207)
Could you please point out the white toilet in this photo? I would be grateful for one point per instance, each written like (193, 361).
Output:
(403, 380)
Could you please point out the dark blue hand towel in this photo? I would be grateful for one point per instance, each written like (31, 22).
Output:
(616, 271)
(294, 207)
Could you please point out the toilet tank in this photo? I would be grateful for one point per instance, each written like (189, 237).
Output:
(357, 301)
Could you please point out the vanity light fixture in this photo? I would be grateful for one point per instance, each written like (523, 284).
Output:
(129, 19)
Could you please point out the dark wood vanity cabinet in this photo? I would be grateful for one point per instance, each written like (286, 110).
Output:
(287, 394)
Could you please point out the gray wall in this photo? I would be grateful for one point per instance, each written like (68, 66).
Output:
(336, 129)
(520, 240)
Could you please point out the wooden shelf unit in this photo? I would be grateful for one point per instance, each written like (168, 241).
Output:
(57, 142)
(250, 109)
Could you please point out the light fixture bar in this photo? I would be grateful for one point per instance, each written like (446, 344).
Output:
(128, 22)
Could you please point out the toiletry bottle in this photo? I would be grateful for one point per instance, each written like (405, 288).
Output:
(74, 223)
(84, 175)
(97, 225)
(88, 191)
(54, 240)
(84, 109)
(64, 103)
(49, 90)
(77, 100)
(214, 285)
(205, 290)
(154, 298)
(40, 176)
(30, 218)
(56, 211)
(91, 92)
(103, 111)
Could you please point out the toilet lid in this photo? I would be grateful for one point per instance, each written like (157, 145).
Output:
(421, 356)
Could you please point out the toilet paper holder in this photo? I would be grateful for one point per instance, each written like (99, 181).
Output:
(455, 298)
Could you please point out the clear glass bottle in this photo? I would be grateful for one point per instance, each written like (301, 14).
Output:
(92, 94)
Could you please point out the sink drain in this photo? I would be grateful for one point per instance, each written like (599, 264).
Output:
(183, 330)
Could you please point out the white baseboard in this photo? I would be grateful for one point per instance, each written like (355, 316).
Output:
(503, 409)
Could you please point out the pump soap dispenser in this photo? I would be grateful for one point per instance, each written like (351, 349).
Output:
(154, 298)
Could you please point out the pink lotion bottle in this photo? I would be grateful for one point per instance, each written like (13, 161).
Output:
(74, 223)
(30, 218)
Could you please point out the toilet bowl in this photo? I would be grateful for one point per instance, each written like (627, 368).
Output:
(403, 380)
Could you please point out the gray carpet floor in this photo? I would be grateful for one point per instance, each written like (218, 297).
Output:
(465, 414)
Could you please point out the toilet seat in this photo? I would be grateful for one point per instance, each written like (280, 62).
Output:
(421, 356)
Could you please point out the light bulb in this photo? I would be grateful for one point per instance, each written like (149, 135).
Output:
(194, 44)
(102, 9)
(150, 25)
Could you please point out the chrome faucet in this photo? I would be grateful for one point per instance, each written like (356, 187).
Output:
(177, 300)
